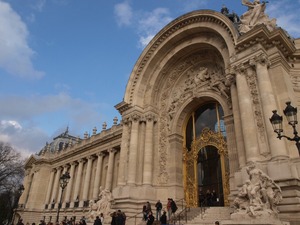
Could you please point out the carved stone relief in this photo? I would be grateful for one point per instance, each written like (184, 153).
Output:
(190, 78)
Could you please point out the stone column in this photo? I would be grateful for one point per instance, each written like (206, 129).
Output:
(60, 189)
(110, 169)
(70, 184)
(133, 149)
(148, 153)
(98, 175)
(87, 180)
(78, 181)
(237, 126)
(247, 117)
(268, 103)
(56, 185)
(123, 154)
(50, 185)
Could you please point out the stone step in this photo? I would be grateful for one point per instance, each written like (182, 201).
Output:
(210, 215)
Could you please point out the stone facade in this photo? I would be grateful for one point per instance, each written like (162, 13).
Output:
(199, 57)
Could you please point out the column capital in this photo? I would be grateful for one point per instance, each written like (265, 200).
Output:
(151, 117)
(59, 168)
(239, 69)
(100, 154)
(90, 157)
(74, 163)
(112, 150)
(67, 166)
(81, 160)
(135, 117)
(260, 58)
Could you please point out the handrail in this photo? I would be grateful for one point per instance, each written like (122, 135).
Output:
(134, 216)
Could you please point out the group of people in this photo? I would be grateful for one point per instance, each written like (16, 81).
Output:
(210, 198)
(161, 215)
(70, 221)
(117, 218)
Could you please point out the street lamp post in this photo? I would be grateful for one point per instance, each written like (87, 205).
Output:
(290, 113)
(63, 181)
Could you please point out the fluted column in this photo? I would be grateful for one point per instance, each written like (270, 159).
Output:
(87, 179)
(50, 185)
(56, 185)
(110, 169)
(98, 175)
(78, 180)
(124, 153)
(148, 154)
(133, 149)
(268, 101)
(237, 125)
(70, 184)
(247, 117)
(60, 189)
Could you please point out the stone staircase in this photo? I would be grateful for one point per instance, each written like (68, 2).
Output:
(207, 217)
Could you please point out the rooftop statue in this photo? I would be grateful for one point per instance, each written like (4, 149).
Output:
(255, 15)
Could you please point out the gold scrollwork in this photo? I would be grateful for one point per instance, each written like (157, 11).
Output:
(207, 138)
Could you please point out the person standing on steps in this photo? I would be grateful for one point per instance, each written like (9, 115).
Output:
(158, 206)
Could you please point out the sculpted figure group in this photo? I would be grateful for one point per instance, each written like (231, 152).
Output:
(255, 15)
(103, 205)
(259, 195)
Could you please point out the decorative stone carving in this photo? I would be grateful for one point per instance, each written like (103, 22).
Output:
(187, 80)
(257, 198)
(255, 16)
(103, 205)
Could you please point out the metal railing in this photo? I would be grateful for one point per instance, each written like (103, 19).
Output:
(135, 217)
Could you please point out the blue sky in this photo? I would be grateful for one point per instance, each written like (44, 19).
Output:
(67, 62)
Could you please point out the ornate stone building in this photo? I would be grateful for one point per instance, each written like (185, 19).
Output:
(195, 113)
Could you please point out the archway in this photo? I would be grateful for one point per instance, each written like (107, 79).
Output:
(205, 157)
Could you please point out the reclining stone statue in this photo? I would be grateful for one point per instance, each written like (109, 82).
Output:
(258, 196)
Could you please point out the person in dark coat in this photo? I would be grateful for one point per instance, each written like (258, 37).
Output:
(163, 218)
(173, 206)
(97, 221)
(150, 218)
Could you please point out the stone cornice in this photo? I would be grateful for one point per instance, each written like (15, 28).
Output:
(261, 35)
(122, 107)
(86, 148)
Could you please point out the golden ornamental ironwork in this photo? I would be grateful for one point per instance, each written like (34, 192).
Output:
(207, 138)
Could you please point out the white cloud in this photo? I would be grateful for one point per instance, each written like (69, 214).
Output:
(15, 53)
(287, 15)
(151, 22)
(146, 24)
(27, 120)
(123, 13)
(23, 139)
(4, 124)
(39, 5)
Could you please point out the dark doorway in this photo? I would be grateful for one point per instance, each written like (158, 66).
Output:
(210, 187)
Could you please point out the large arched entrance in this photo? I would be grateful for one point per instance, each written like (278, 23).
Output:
(205, 156)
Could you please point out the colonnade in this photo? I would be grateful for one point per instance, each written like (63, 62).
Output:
(82, 187)
(253, 100)
(139, 130)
